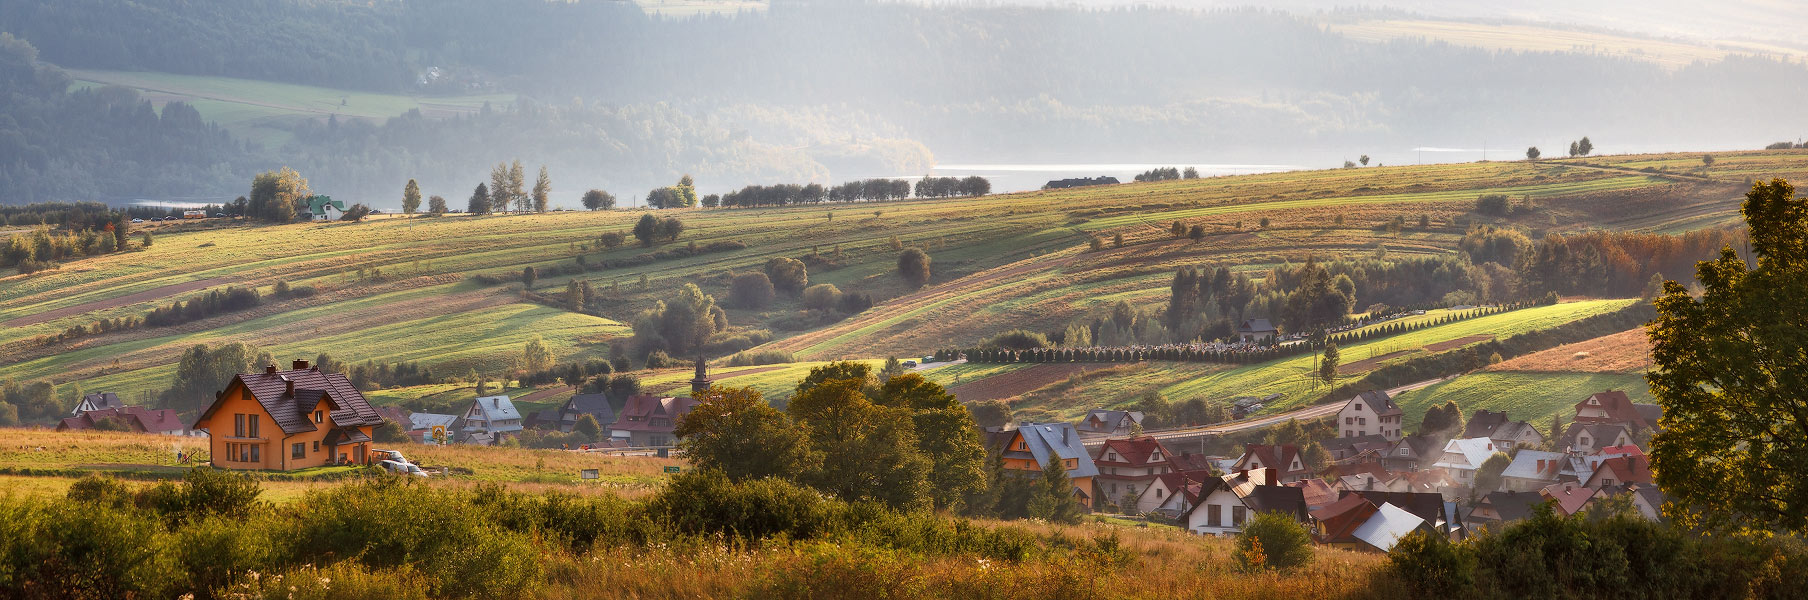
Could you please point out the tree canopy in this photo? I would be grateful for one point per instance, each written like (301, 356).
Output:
(1729, 369)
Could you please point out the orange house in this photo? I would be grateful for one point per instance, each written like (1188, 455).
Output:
(281, 420)
(1033, 445)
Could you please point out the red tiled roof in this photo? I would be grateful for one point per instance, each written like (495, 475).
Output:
(1618, 407)
(137, 418)
(1317, 492)
(1625, 469)
(1341, 518)
(1569, 496)
(1134, 452)
(1188, 461)
(1277, 456)
(290, 411)
(640, 411)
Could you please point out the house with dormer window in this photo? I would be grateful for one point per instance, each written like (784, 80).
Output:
(1127, 467)
(493, 416)
(281, 420)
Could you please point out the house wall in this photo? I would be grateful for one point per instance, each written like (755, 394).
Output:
(1158, 496)
(224, 444)
(1221, 501)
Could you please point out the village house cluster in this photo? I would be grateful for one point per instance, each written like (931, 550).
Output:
(1380, 483)
(1374, 484)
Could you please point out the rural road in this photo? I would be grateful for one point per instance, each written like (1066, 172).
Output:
(1310, 412)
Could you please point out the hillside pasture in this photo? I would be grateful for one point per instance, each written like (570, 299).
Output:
(1531, 397)
(406, 288)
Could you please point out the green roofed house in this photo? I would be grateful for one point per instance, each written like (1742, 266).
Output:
(319, 205)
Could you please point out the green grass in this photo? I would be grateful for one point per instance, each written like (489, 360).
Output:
(428, 309)
(1180, 382)
(1530, 397)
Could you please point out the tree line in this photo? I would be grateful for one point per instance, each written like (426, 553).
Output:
(865, 190)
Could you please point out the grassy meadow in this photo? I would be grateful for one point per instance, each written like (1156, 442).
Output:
(393, 289)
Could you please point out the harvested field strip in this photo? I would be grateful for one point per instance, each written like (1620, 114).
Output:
(133, 298)
(1014, 383)
(1624, 352)
(1369, 363)
(1457, 343)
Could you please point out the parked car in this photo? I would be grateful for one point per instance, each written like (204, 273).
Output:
(910, 364)
(402, 468)
(137, 220)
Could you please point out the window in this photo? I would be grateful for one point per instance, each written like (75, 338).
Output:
(1212, 518)
(1157, 493)
(251, 424)
(317, 416)
(316, 445)
(238, 425)
(1358, 406)
(298, 450)
(254, 449)
(1349, 420)
(1236, 515)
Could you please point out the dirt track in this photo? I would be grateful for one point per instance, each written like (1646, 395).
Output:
(126, 300)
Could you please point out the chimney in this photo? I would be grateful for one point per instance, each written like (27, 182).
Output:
(270, 369)
(1271, 476)
(288, 386)
(300, 365)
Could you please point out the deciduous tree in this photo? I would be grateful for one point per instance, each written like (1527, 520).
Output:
(735, 431)
(411, 197)
(1729, 370)
(542, 190)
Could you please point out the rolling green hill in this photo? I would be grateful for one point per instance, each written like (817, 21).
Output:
(408, 288)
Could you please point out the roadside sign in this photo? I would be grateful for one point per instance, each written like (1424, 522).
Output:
(588, 474)
(671, 469)
(439, 434)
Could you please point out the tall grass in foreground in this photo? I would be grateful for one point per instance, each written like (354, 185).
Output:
(701, 537)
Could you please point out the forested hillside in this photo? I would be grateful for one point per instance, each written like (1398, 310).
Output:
(615, 98)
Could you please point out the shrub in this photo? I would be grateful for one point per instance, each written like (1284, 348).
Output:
(767, 357)
(1492, 204)
(1272, 540)
(913, 264)
(751, 290)
(1018, 339)
(788, 275)
(822, 296)
(1432, 567)
(658, 359)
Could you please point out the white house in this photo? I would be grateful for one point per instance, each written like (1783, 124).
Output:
(1371, 413)
(1226, 503)
(1462, 457)
(491, 415)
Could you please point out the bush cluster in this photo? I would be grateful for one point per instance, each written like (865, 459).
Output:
(392, 537)
(1618, 556)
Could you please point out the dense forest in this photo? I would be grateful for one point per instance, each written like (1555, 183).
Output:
(807, 91)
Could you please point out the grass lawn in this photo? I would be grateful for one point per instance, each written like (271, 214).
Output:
(1530, 397)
